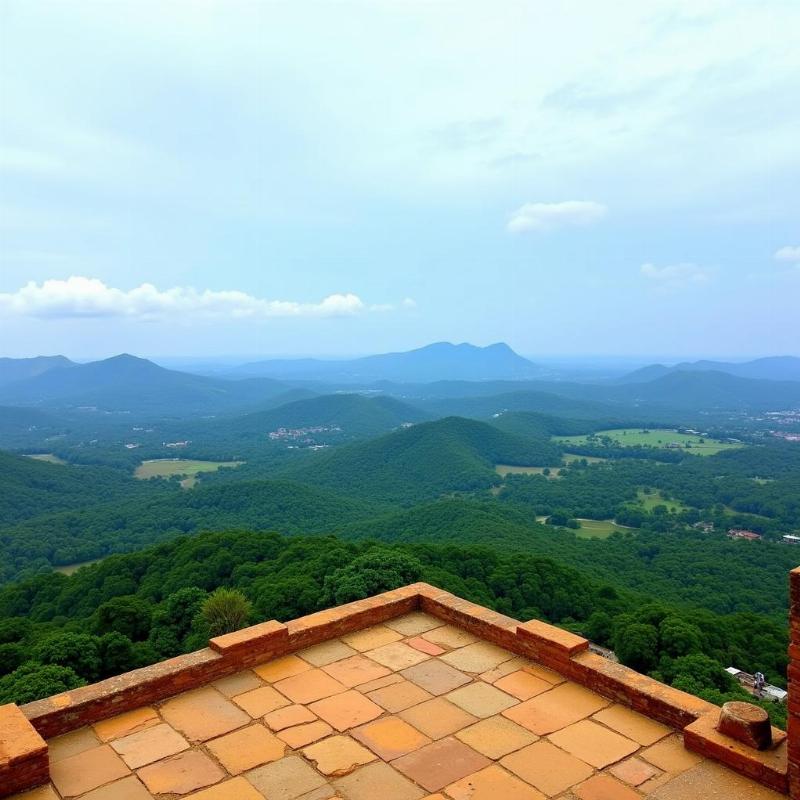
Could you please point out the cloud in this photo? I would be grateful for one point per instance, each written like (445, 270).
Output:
(788, 253)
(89, 297)
(676, 276)
(547, 216)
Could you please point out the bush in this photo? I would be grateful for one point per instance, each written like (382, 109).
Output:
(32, 681)
(225, 610)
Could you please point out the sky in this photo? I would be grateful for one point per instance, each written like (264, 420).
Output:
(208, 178)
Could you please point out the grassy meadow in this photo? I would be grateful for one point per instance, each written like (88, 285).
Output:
(186, 468)
(655, 437)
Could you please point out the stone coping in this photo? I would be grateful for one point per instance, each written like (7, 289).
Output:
(551, 646)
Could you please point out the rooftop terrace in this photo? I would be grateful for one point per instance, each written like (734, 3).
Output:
(411, 694)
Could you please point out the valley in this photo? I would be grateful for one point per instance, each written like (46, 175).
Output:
(445, 472)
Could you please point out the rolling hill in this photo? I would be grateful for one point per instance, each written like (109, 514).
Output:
(127, 383)
(439, 361)
(482, 407)
(774, 368)
(118, 527)
(355, 414)
(29, 487)
(424, 461)
(694, 391)
(18, 369)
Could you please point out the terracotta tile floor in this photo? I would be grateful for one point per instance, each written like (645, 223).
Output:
(378, 715)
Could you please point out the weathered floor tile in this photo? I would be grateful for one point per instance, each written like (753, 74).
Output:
(286, 779)
(203, 714)
(437, 718)
(87, 770)
(593, 743)
(338, 755)
(547, 768)
(390, 737)
(181, 774)
(149, 745)
(246, 748)
(346, 710)
(124, 724)
(496, 736)
(378, 781)
(492, 783)
(441, 763)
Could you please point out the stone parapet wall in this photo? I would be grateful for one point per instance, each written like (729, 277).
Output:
(794, 683)
(546, 644)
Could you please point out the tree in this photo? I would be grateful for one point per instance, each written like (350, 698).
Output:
(679, 638)
(117, 653)
(128, 615)
(225, 610)
(599, 627)
(79, 652)
(32, 681)
(636, 645)
(376, 571)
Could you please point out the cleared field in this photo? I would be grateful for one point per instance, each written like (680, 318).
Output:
(48, 457)
(71, 569)
(598, 528)
(653, 437)
(649, 500)
(570, 457)
(186, 468)
(508, 469)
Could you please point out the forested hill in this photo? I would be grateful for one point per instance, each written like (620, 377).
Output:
(355, 414)
(29, 487)
(127, 383)
(18, 369)
(79, 536)
(425, 461)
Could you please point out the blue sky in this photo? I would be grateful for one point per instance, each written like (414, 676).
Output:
(208, 178)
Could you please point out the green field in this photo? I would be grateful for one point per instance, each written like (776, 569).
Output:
(570, 457)
(508, 469)
(597, 528)
(48, 457)
(649, 500)
(656, 437)
(183, 467)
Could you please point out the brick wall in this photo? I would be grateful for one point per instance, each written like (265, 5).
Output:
(794, 683)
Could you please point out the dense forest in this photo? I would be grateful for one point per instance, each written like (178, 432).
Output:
(58, 632)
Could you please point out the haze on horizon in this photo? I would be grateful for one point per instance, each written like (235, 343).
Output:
(205, 179)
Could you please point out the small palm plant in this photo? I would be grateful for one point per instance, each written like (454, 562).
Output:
(225, 610)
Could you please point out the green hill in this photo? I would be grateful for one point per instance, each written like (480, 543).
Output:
(29, 487)
(127, 383)
(355, 414)
(524, 423)
(18, 369)
(425, 461)
(82, 535)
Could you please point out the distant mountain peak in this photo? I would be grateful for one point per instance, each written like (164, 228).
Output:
(432, 362)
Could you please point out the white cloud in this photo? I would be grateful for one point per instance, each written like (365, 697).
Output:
(788, 253)
(546, 216)
(89, 297)
(676, 276)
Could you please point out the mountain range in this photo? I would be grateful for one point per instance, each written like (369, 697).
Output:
(774, 368)
(431, 379)
(438, 361)
(18, 369)
(128, 383)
